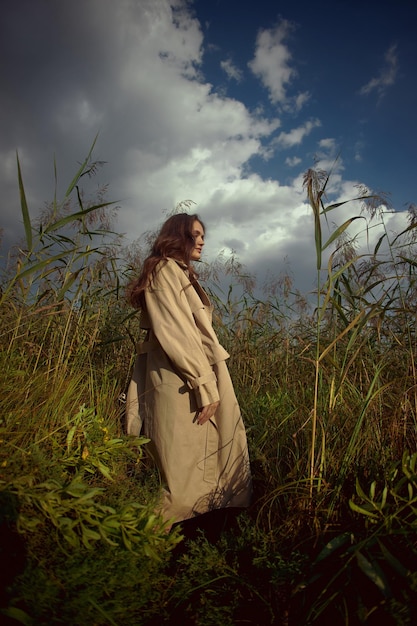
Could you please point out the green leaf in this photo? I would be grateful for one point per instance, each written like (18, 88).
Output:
(393, 561)
(333, 545)
(380, 240)
(403, 232)
(104, 470)
(106, 616)
(18, 615)
(70, 437)
(384, 497)
(372, 490)
(92, 493)
(24, 207)
(363, 511)
(79, 215)
(35, 267)
(111, 523)
(126, 540)
(360, 491)
(374, 573)
(330, 207)
(69, 281)
(336, 234)
(81, 170)
(90, 534)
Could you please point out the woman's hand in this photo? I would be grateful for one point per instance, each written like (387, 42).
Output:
(205, 413)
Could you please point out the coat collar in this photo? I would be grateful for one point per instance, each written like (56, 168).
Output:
(200, 291)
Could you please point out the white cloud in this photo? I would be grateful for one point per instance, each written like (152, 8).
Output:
(387, 75)
(292, 161)
(231, 70)
(271, 62)
(359, 147)
(295, 136)
(300, 100)
(327, 144)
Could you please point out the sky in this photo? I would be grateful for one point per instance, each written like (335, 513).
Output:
(219, 102)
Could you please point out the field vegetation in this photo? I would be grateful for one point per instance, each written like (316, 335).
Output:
(328, 391)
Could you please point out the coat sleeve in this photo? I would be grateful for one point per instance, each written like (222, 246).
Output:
(174, 327)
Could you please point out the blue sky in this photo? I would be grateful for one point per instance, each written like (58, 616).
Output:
(217, 101)
(356, 60)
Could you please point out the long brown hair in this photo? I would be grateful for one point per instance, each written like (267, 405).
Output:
(175, 240)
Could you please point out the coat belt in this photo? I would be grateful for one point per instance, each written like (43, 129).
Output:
(147, 346)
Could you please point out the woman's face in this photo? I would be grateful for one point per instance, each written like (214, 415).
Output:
(198, 234)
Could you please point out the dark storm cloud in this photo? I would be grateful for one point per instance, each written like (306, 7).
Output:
(60, 79)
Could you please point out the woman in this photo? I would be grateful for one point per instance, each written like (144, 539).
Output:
(181, 392)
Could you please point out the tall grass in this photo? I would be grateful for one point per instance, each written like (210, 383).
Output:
(344, 371)
(63, 450)
(328, 393)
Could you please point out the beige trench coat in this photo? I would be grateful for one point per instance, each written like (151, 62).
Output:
(180, 368)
